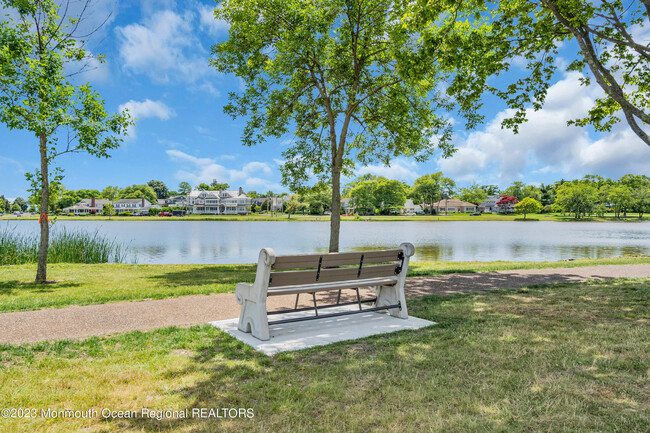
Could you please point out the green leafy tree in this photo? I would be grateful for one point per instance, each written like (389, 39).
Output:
(363, 195)
(108, 210)
(318, 199)
(16, 208)
(160, 188)
(184, 188)
(620, 196)
(528, 205)
(427, 189)
(3, 205)
(253, 194)
(110, 193)
(69, 198)
(348, 186)
(293, 206)
(36, 96)
(490, 189)
(138, 191)
(203, 187)
(516, 190)
(641, 200)
(577, 197)
(389, 195)
(216, 186)
(472, 194)
(547, 194)
(352, 81)
(613, 52)
(88, 193)
(22, 203)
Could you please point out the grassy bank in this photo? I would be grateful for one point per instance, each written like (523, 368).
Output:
(65, 247)
(324, 218)
(567, 358)
(96, 284)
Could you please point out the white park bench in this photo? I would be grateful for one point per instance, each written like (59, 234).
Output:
(384, 271)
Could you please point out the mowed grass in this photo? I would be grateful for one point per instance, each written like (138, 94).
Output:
(81, 284)
(566, 358)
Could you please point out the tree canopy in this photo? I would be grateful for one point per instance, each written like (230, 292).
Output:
(159, 187)
(139, 191)
(528, 205)
(184, 188)
(612, 52)
(351, 81)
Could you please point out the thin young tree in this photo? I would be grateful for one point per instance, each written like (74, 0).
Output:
(349, 81)
(38, 43)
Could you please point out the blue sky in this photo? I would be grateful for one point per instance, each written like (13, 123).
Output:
(157, 65)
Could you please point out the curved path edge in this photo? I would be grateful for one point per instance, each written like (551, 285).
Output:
(78, 322)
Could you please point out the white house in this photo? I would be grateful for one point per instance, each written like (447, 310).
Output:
(132, 205)
(411, 208)
(87, 206)
(222, 202)
(489, 204)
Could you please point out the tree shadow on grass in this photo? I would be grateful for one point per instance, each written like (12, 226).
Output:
(480, 352)
(207, 275)
(15, 287)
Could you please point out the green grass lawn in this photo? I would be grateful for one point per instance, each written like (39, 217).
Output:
(81, 284)
(566, 358)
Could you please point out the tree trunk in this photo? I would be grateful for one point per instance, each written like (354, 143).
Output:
(335, 220)
(41, 272)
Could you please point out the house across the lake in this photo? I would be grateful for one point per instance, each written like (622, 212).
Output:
(133, 205)
(411, 208)
(222, 202)
(454, 205)
(489, 205)
(87, 206)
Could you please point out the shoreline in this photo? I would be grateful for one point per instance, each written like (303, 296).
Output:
(326, 218)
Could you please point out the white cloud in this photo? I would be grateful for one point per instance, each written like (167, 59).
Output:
(545, 144)
(252, 175)
(146, 109)
(206, 87)
(256, 167)
(164, 48)
(209, 23)
(400, 169)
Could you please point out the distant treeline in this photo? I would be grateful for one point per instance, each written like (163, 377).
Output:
(591, 195)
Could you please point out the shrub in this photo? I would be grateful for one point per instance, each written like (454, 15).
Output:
(127, 213)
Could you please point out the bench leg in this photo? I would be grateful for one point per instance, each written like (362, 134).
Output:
(253, 319)
(390, 295)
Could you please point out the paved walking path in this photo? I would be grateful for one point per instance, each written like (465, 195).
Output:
(85, 321)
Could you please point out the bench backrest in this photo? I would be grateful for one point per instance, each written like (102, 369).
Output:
(334, 267)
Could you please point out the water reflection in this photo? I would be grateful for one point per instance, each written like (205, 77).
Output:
(241, 241)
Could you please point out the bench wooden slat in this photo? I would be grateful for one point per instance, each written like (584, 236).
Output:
(334, 259)
(307, 288)
(312, 276)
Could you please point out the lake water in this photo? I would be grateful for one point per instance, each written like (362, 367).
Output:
(241, 241)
